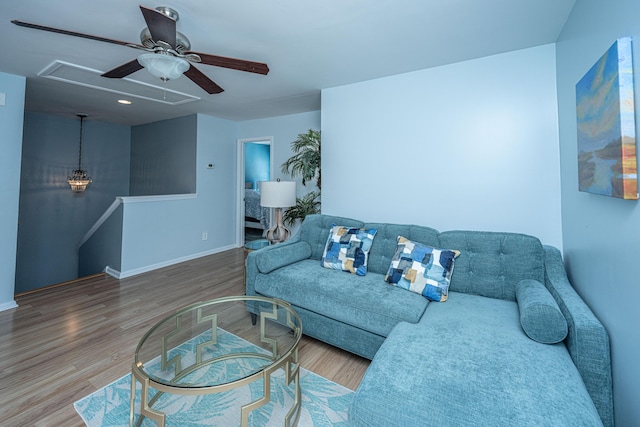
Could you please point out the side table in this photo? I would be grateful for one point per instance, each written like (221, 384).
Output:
(251, 246)
(255, 245)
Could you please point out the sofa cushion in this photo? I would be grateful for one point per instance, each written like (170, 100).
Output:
(386, 241)
(540, 316)
(478, 369)
(491, 263)
(422, 269)
(365, 302)
(347, 249)
(282, 255)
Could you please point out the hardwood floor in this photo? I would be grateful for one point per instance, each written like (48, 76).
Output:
(64, 342)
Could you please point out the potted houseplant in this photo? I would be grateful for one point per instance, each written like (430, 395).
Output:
(305, 162)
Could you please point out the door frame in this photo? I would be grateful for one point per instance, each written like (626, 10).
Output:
(268, 140)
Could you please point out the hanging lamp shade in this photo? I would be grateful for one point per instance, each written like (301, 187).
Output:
(79, 179)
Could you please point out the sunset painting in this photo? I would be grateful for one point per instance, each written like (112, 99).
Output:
(606, 125)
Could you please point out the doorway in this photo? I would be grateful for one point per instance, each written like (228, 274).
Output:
(255, 164)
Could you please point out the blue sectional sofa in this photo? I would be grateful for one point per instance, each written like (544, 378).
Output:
(467, 361)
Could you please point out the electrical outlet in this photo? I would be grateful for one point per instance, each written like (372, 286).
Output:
(205, 236)
(2, 98)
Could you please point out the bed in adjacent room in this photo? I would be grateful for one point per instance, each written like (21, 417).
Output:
(255, 216)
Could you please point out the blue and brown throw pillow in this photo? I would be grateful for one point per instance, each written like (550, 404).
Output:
(347, 249)
(422, 269)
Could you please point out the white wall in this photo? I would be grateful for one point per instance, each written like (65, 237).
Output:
(217, 187)
(473, 145)
(11, 119)
(601, 234)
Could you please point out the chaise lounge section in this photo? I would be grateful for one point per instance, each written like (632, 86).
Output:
(470, 360)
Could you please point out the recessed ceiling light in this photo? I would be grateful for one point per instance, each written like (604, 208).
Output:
(124, 101)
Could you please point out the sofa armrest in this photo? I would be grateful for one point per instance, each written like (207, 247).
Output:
(251, 265)
(282, 255)
(587, 340)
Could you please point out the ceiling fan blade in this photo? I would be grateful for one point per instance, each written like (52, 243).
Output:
(72, 33)
(160, 26)
(233, 63)
(199, 78)
(124, 70)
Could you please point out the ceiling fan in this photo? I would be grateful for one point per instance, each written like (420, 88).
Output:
(168, 53)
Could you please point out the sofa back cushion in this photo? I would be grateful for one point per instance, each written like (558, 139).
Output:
(315, 231)
(386, 240)
(491, 264)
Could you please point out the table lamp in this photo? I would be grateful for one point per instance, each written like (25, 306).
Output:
(278, 194)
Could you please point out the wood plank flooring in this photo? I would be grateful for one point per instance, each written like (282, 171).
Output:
(64, 342)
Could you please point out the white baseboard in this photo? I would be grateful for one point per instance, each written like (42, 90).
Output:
(128, 273)
(112, 272)
(8, 305)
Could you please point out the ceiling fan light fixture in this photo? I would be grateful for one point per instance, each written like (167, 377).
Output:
(168, 51)
(163, 66)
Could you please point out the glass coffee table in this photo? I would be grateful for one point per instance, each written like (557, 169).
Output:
(214, 347)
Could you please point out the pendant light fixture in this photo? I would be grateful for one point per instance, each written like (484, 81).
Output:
(79, 180)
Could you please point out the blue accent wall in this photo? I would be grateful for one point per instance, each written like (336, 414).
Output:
(53, 219)
(601, 234)
(11, 119)
(256, 163)
(104, 247)
(163, 157)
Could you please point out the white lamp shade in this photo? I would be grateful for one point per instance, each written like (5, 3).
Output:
(163, 66)
(277, 194)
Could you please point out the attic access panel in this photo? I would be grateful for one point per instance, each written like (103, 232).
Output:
(88, 77)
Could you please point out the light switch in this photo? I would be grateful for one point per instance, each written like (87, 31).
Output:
(2, 98)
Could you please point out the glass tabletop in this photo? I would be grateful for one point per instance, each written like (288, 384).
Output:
(257, 244)
(216, 342)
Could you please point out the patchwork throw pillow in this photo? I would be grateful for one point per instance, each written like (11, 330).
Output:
(347, 249)
(422, 269)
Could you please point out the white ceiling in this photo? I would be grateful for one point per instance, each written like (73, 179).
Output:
(308, 45)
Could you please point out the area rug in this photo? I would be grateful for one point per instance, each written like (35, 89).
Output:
(324, 403)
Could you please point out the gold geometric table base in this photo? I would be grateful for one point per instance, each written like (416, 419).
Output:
(292, 373)
(288, 362)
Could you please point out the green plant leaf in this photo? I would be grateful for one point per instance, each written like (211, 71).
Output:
(305, 205)
(306, 159)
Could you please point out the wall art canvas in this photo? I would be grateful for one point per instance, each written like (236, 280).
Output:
(606, 125)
